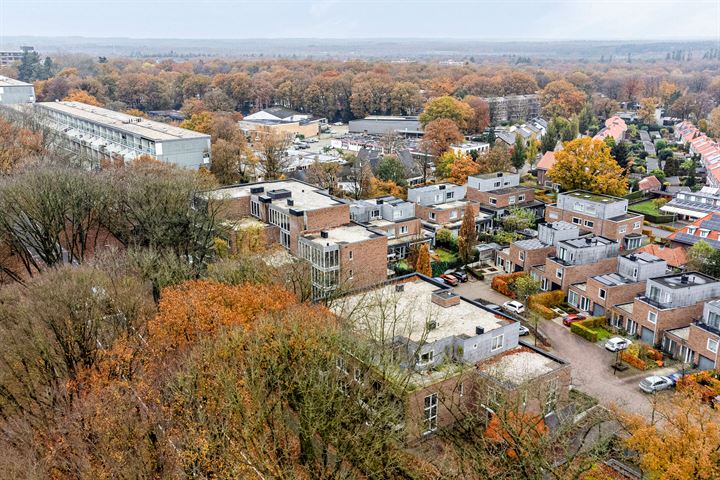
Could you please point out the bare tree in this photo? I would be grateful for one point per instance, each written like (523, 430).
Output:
(272, 147)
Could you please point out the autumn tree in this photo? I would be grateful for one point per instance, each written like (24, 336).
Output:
(586, 164)
(233, 161)
(679, 419)
(324, 174)
(423, 261)
(481, 113)
(646, 113)
(361, 179)
(83, 97)
(497, 159)
(467, 236)
(714, 123)
(272, 149)
(462, 167)
(391, 168)
(439, 135)
(448, 108)
(561, 98)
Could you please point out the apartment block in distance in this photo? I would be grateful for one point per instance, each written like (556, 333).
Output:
(498, 192)
(395, 218)
(513, 108)
(15, 92)
(455, 352)
(104, 134)
(669, 302)
(443, 206)
(8, 57)
(599, 292)
(601, 215)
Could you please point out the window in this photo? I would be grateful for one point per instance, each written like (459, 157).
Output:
(450, 195)
(521, 198)
(403, 229)
(493, 201)
(712, 345)
(559, 273)
(636, 225)
(497, 342)
(255, 209)
(584, 304)
(350, 255)
(713, 320)
(285, 239)
(589, 223)
(704, 233)
(427, 357)
(453, 214)
(350, 274)
(431, 405)
(497, 184)
(652, 317)
(577, 221)
(521, 256)
(432, 215)
(602, 293)
(692, 230)
(511, 200)
(553, 216)
(573, 298)
(375, 213)
(622, 229)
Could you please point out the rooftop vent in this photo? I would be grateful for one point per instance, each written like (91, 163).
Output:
(432, 325)
(279, 194)
(442, 187)
(380, 201)
(445, 298)
(588, 240)
(479, 330)
(257, 189)
(400, 288)
(290, 202)
(684, 278)
(323, 234)
(500, 174)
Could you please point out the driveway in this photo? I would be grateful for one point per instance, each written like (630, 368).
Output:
(480, 289)
(592, 374)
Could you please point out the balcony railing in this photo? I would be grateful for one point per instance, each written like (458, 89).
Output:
(708, 328)
(653, 302)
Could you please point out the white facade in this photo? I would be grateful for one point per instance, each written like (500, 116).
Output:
(15, 92)
(105, 134)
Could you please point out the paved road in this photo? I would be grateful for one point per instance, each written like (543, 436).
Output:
(591, 372)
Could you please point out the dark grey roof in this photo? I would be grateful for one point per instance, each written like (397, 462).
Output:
(712, 224)
(281, 112)
(682, 237)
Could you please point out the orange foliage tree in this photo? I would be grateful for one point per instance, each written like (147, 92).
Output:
(83, 97)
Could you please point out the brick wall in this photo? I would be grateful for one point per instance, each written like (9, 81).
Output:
(501, 200)
(607, 228)
(577, 273)
(368, 265)
(698, 340)
(234, 208)
(666, 318)
(614, 295)
(532, 257)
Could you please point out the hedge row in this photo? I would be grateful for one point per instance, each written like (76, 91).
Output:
(541, 303)
(583, 327)
(633, 360)
(501, 283)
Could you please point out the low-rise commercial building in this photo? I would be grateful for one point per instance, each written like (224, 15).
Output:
(103, 134)
(384, 124)
(15, 92)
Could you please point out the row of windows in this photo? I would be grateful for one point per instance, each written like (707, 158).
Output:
(323, 259)
(280, 219)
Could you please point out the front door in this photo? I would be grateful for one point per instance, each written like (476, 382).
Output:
(632, 327)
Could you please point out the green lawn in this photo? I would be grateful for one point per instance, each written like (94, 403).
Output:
(445, 255)
(647, 207)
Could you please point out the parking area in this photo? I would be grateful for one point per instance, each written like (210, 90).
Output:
(591, 364)
(592, 372)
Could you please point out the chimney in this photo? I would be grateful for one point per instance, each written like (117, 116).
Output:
(323, 234)
(445, 298)
(479, 330)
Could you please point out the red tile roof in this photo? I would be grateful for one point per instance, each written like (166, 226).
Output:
(675, 256)
(547, 161)
(649, 183)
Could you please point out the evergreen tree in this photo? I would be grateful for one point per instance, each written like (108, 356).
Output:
(518, 154)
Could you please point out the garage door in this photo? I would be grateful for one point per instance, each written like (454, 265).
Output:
(647, 335)
(598, 310)
(705, 363)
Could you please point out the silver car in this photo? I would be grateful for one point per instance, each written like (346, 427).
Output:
(656, 383)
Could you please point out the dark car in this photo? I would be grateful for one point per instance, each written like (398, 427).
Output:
(572, 318)
(462, 276)
(450, 279)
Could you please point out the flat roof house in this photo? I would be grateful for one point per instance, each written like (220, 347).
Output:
(15, 92)
(694, 205)
(697, 344)
(104, 134)
(499, 192)
(440, 341)
(522, 255)
(602, 215)
(443, 206)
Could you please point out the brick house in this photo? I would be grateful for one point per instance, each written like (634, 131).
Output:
(601, 215)
(441, 341)
(443, 206)
(575, 260)
(498, 192)
(600, 292)
(396, 218)
(522, 255)
(697, 343)
(668, 302)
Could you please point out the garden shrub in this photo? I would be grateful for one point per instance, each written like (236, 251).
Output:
(502, 283)
(636, 362)
(578, 329)
(541, 303)
(445, 238)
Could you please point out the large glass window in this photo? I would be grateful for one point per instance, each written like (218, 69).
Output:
(431, 413)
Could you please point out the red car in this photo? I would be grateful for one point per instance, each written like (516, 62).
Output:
(572, 318)
(450, 279)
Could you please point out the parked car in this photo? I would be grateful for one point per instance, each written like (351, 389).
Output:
(572, 318)
(462, 276)
(655, 383)
(514, 306)
(492, 306)
(616, 344)
(450, 279)
(524, 330)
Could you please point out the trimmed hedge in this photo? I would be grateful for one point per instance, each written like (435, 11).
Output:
(501, 283)
(541, 303)
(583, 327)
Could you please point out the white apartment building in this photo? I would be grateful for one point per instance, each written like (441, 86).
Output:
(15, 92)
(105, 134)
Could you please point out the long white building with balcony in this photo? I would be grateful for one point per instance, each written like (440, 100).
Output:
(104, 134)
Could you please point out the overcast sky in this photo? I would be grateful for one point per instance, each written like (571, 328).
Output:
(478, 19)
